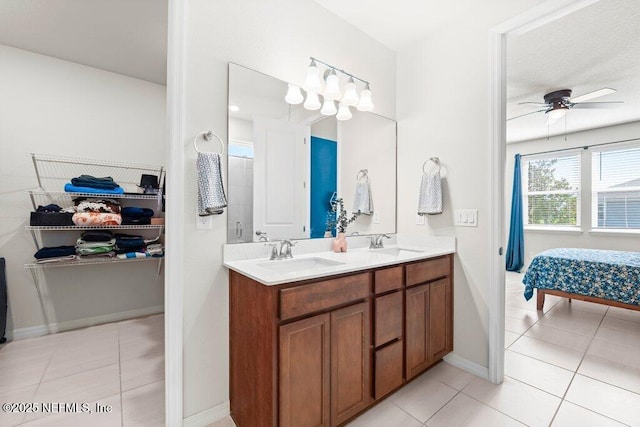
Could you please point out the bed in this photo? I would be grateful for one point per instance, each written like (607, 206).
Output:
(594, 275)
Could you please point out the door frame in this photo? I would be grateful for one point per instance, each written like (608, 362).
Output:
(535, 17)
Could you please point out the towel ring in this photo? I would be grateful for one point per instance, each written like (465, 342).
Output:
(208, 136)
(362, 173)
(434, 160)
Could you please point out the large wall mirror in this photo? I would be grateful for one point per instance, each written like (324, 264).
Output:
(286, 164)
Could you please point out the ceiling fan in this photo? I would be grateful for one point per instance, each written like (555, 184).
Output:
(557, 103)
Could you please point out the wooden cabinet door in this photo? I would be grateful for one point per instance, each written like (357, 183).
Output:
(417, 330)
(350, 362)
(439, 319)
(304, 373)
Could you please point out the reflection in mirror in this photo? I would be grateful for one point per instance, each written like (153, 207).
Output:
(286, 164)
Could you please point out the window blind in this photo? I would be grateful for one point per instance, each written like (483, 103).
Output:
(615, 185)
(551, 190)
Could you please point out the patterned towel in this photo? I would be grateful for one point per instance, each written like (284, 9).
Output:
(430, 200)
(211, 198)
(363, 201)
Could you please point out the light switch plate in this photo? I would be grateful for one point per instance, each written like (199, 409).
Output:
(419, 219)
(465, 218)
(376, 217)
(203, 222)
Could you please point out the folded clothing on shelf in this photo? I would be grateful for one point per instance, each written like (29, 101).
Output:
(94, 248)
(97, 236)
(51, 219)
(55, 252)
(136, 221)
(155, 250)
(56, 259)
(134, 212)
(70, 188)
(106, 183)
(96, 205)
(128, 255)
(128, 243)
(94, 219)
(102, 255)
(49, 208)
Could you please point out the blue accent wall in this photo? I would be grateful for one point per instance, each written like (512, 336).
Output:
(324, 172)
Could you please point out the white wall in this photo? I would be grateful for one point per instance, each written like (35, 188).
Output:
(58, 107)
(274, 37)
(538, 241)
(443, 109)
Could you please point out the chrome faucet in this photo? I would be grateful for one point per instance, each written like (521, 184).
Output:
(284, 252)
(376, 241)
(263, 236)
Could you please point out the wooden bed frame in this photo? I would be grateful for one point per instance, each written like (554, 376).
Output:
(542, 292)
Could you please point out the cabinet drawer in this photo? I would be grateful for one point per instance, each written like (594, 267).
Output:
(388, 374)
(424, 271)
(388, 318)
(388, 279)
(301, 300)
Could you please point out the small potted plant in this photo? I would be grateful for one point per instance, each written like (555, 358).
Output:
(341, 223)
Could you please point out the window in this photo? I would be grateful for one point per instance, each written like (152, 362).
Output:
(615, 184)
(551, 190)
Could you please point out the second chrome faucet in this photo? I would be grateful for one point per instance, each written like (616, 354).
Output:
(281, 250)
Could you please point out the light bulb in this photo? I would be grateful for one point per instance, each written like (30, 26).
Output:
(557, 113)
(365, 103)
(332, 89)
(312, 82)
(328, 108)
(312, 102)
(350, 98)
(294, 96)
(343, 112)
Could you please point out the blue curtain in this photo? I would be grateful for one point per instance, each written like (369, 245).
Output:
(515, 247)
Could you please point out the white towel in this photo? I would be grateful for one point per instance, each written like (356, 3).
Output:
(430, 200)
(363, 201)
(211, 198)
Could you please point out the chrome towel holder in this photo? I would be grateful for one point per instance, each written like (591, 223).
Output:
(434, 160)
(362, 173)
(208, 136)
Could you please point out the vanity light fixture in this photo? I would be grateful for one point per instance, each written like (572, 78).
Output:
(330, 91)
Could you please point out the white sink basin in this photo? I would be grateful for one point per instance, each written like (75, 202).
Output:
(301, 264)
(395, 251)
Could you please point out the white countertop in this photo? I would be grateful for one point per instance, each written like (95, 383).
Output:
(353, 260)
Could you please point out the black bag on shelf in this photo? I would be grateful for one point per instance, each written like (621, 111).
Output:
(3, 301)
(49, 219)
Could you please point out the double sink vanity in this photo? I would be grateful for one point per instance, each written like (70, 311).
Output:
(317, 339)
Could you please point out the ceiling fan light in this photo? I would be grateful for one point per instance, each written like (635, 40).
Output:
(350, 97)
(557, 113)
(294, 96)
(365, 103)
(343, 112)
(332, 88)
(328, 108)
(312, 102)
(312, 81)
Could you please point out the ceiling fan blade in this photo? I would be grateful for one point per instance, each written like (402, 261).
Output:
(610, 104)
(522, 115)
(532, 103)
(592, 95)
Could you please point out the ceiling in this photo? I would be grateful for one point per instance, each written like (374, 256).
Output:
(123, 36)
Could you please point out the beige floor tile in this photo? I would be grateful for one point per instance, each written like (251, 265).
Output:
(605, 399)
(225, 422)
(465, 411)
(589, 307)
(112, 418)
(17, 395)
(142, 346)
(510, 338)
(384, 414)
(613, 373)
(547, 352)
(142, 371)
(517, 326)
(570, 415)
(624, 314)
(578, 322)
(450, 375)
(144, 406)
(18, 376)
(618, 353)
(84, 387)
(559, 337)
(78, 359)
(136, 328)
(536, 373)
(622, 325)
(626, 337)
(522, 313)
(520, 401)
(423, 397)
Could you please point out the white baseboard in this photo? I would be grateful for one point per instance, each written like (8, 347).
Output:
(206, 417)
(467, 365)
(36, 331)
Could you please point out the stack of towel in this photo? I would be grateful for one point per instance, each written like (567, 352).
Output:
(127, 243)
(96, 244)
(136, 216)
(96, 212)
(55, 254)
(91, 184)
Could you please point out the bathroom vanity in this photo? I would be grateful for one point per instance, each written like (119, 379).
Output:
(317, 340)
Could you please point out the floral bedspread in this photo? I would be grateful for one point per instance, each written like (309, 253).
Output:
(611, 275)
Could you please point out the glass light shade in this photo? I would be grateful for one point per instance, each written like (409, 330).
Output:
(328, 108)
(332, 89)
(312, 82)
(294, 96)
(365, 103)
(343, 112)
(312, 102)
(350, 98)
(556, 114)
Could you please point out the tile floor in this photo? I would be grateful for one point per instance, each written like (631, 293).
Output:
(576, 365)
(117, 364)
